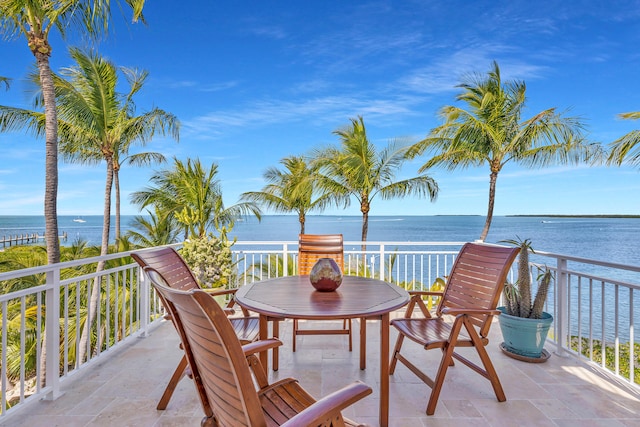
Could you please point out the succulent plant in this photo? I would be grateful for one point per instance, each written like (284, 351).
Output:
(518, 296)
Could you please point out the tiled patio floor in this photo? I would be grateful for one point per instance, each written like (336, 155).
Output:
(123, 389)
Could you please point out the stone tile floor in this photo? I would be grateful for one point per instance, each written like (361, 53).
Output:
(123, 389)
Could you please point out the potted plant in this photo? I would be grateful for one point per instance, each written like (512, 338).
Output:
(523, 322)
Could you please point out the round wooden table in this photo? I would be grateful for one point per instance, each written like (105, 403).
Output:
(293, 297)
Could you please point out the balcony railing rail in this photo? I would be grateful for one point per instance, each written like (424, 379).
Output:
(45, 312)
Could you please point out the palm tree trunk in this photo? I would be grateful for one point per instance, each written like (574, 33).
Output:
(94, 300)
(116, 183)
(492, 198)
(51, 177)
(364, 208)
(51, 159)
(302, 218)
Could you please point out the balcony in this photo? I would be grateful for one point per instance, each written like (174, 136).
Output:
(131, 360)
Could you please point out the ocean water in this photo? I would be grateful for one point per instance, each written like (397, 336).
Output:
(614, 240)
(606, 239)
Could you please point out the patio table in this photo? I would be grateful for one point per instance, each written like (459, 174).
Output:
(293, 297)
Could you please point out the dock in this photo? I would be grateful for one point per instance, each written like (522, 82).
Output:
(26, 239)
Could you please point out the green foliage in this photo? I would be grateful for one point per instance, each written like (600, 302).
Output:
(192, 194)
(358, 168)
(489, 129)
(610, 355)
(272, 266)
(518, 296)
(292, 189)
(210, 259)
(626, 148)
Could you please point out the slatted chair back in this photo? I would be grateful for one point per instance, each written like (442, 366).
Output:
(175, 272)
(312, 247)
(476, 281)
(214, 354)
(470, 297)
(168, 262)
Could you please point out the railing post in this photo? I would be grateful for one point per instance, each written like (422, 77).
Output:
(285, 259)
(145, 303)
(52, 334)
(381, 261)
(562, 307)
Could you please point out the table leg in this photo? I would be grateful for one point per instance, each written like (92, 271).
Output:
(275, 352)
(363, 343)
(263, 334)
(384, 370)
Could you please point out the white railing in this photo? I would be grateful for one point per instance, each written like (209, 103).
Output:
(592, 303)
(42, 325)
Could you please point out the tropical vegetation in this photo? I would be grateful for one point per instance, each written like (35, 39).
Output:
(357, 168)
(293, 189)
(492, 131)
(627, 147)
(210, 259)
(34, 20)
(192, 194)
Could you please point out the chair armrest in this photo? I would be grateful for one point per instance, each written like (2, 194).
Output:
(216, 291)
(330, 405)
(457, 311)
(432, 293)
(259, 346)
(257, 368)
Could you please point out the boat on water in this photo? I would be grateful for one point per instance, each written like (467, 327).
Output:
(79, 219)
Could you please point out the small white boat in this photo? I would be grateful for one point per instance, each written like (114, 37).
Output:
(79, 220)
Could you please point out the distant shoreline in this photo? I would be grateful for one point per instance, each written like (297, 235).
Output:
(575, 216)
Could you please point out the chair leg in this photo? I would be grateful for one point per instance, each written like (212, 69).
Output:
(439, 380)
(295, 333)
(396, 350)
(490, 371)
(447, 360)
(350, 330)
(178, 374)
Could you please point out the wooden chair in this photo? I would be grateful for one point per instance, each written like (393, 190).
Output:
(470, 298)
(222, 371)
(312, 247)
(168, 263)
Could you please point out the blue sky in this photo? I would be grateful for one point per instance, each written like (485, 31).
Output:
(254, 81)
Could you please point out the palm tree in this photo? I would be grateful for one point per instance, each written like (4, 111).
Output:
(626, 148)
(358, 169)
(5, 81)
(492, 131)
(95, 121)
(159, 230)
(193, 195)
(137, 159)
(291, 190)
(35, 20)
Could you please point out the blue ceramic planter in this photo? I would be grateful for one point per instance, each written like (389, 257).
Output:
(524, 337)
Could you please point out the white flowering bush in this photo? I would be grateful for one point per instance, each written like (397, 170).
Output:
(210, 260)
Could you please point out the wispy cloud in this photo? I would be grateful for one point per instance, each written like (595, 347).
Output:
(271, 32)
(200, 86)
(328, 109)
(445, 73)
